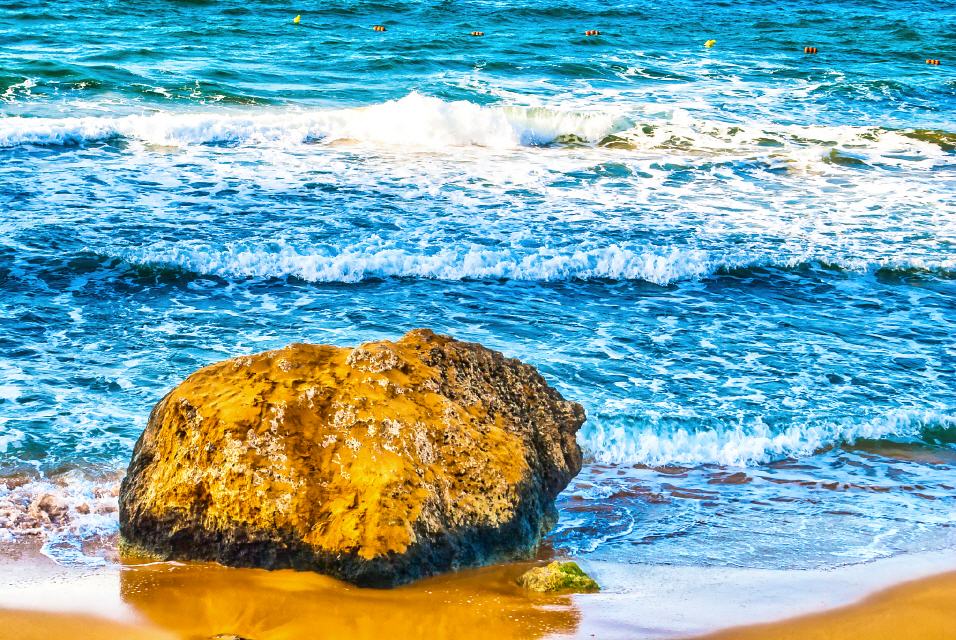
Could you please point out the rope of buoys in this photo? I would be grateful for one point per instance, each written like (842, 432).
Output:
(594, 32)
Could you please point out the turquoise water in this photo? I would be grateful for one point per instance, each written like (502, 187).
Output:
(741, 259)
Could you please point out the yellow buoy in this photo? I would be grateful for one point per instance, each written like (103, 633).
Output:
(710, 43)
(296, 19)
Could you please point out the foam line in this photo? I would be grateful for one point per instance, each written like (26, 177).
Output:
(648, 440)
(417, 121)
(658, 265)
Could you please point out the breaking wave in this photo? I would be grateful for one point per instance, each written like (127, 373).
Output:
(651, 441)
(64, 513)
(417, 121)
(657, 265)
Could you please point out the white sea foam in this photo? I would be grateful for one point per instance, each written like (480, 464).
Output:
(20, 88)
(659, 265)
(9, 436)
(648, 440)
(415, 120)
(422, 122)
(58, 510)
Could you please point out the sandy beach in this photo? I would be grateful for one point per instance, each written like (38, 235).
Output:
(903, 597)
(913, 611)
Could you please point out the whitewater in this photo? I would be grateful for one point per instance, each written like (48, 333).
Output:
(418, 122)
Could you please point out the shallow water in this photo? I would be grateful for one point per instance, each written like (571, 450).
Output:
(741, 260)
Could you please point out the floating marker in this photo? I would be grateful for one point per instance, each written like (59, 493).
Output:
(296, 19)
(592, 32)
(378, 27)
(710, 43)
(933, 62)
(477, 33)
(809, 49)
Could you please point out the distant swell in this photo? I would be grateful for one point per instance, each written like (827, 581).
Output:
(652, 441)
(658, 265)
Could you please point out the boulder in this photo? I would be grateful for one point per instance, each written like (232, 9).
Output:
(377, 465)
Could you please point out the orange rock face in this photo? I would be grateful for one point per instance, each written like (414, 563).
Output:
(377, 465)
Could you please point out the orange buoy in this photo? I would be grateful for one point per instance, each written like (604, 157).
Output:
(933, 62)
(809, 49)
(592, 32)
(378, 27)
(477, 33)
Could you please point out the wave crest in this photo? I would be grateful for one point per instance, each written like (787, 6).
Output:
(415, 120)
(657, 265)
(660, 266)
(422, 122)
(650, 441)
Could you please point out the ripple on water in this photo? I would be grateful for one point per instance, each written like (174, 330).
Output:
(853, 504)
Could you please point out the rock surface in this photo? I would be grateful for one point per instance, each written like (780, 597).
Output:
(558, 577)
(377, 465)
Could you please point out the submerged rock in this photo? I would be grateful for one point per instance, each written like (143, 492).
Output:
(558, 577)
(378, 465)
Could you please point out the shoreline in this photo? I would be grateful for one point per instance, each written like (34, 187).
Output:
(39, 599)
(704, 602)
(915, 610)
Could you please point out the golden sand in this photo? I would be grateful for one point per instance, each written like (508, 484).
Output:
(920, 610)
(199, 601)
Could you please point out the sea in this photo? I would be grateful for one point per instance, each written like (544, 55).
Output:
(740, 258)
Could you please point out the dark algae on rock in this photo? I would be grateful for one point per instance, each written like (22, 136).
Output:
(558, 577)
(378, 465)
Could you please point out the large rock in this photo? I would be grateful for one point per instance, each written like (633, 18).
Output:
(377, 465)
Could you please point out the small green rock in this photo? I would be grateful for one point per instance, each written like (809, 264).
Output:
(559, 577)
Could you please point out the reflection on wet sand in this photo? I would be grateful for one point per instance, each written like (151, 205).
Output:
(203, 600)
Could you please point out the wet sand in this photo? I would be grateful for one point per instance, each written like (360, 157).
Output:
(30, 625)
(39, 599)
(200, 600)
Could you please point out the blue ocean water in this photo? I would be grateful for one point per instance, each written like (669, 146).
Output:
(740, 259)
